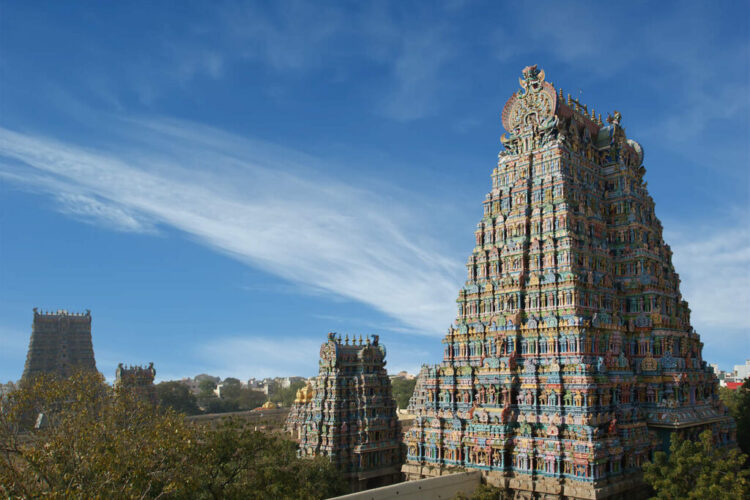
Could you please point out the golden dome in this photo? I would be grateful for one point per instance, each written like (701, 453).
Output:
(298, 396)
(307, 393)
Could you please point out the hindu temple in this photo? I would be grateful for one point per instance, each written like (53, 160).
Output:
(138, 380)
(347, 413)
(572, 357)
(60, 343)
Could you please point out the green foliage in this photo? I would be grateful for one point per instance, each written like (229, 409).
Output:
(738, 403)
(247, 399)
(214, 404)
(698, 470)
(206, 388)
(95, 444)
(242, 463)
(234, 397)
(99, 443)
(402, 389)
(177, 396)
(286, 396)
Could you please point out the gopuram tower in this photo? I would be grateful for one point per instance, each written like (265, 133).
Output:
(137, 379)
(60, 343)
(348, 414)
(572, 357)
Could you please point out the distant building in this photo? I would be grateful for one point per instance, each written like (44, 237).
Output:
(348, 414)
(287, 382)
(137, 379)
(404, 375)
(60, 343)
(741, 372)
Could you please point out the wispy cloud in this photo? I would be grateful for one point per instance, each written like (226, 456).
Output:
(94, 211)
(257, 203)
(714, 267)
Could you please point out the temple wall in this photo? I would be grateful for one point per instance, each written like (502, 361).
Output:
(436, 488)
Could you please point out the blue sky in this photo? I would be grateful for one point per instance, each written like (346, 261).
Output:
(223, 183)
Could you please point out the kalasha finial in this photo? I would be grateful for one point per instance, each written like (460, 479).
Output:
(346, 340)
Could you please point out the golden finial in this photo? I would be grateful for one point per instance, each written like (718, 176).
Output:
(360, 339)
(560, 93)
(599, 121)
(593, 114)
(569, 100)
(347, 339)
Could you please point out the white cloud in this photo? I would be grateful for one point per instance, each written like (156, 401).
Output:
(258, 203)
(246, 357)
(91, 210)
(714, 266)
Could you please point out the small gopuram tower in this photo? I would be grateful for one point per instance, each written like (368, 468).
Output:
(60, 343)
(572, 357)
(138, 379)
(348, 414)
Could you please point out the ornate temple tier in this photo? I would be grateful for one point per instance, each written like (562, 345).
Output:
(348, 414)
(572, 357)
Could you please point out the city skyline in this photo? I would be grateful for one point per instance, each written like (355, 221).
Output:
(219, 210)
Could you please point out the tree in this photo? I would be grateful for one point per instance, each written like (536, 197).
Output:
(100, 443)
(250, 398)
(177, 396)
(93, 444)
(738, 403)
(286, 396)
(231, 389)
(240, 462)
(402, 390)
(206, 388)
(698, 470)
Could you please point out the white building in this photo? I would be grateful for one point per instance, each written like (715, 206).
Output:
(741, 372)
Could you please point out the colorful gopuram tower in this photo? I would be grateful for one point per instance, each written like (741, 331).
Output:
(348, 414)
(572, 357)
(60, 343)
(138, 379)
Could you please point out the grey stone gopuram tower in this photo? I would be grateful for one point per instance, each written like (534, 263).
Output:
(60, 343)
